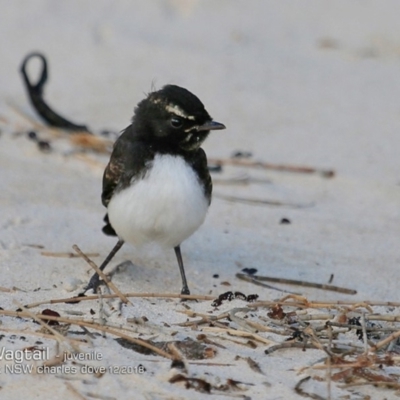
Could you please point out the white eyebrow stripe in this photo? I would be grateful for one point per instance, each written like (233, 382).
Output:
(174, 109)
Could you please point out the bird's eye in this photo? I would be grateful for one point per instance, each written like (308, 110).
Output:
(176, 122)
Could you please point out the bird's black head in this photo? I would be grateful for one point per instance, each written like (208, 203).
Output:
(174, 117)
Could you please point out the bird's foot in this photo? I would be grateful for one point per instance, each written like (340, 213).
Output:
(93, 284)
(185, 290)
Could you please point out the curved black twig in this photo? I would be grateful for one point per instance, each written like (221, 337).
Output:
(35, 92)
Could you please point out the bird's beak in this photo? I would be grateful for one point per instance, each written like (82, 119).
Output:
(211, 126)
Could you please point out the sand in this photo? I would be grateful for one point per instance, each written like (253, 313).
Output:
(310, 83)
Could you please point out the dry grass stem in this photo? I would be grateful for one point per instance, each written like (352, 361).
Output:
(276, 167)
(66, 254)
(88, 141)
(113, 296)
(6, 290)
(260, 202)
(251, 279)
(386, 341)
(332, 288)
(238, 333)
(111, 285)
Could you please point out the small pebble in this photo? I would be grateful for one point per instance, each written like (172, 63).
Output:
(215, 276)
(215, 168)
(44, 146)
(249, 271)
(285, 221)
(32, 135)
(242, 154)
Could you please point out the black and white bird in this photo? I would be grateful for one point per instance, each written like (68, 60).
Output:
(156, 186)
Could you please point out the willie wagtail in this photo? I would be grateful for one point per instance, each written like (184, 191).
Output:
(156, 186)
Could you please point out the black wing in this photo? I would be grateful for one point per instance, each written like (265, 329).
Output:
(129, 160)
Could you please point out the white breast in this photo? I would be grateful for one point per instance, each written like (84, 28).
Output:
(165, 207)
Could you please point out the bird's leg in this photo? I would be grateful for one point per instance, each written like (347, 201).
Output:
(185, 287)
(95, 279)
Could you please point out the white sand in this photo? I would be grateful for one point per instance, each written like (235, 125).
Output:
(306, 83)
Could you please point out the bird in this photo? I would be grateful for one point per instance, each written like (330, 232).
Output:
(157, 186)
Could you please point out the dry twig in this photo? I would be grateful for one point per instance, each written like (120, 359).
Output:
(326, 173)
(102, 275)
(253, 278)
(66, 254)
(235, 332)
(113, 296)
(260, 202)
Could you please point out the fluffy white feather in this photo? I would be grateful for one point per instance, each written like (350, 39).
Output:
(165, 207)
